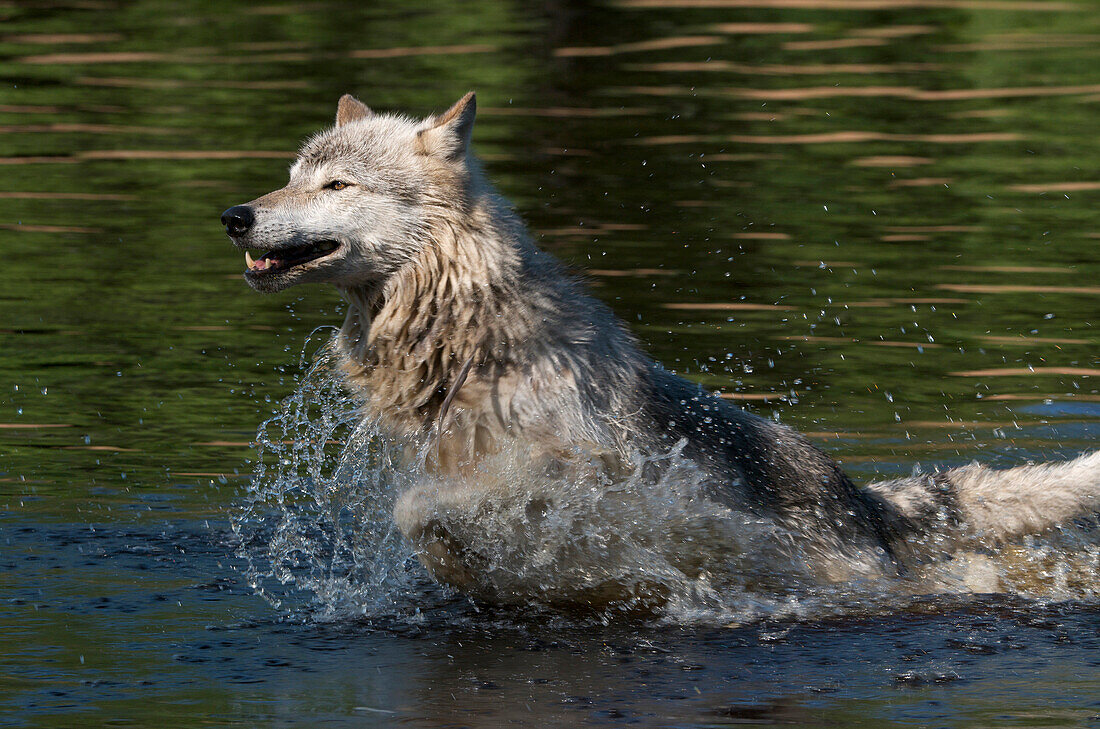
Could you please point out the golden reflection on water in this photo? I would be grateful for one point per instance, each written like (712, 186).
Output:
(32, 228)
(26, 195)
(1058, 187)
(1014, 5)
(1019, 289)
(1030, 371)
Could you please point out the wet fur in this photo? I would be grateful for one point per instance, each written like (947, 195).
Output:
(441, 278)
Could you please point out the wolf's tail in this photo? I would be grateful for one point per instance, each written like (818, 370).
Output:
(985, 503)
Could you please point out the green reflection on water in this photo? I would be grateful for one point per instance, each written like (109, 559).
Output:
(878, 194)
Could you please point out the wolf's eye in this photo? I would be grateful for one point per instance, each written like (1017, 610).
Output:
(336, 185)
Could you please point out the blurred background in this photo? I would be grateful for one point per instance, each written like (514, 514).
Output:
(873, 219)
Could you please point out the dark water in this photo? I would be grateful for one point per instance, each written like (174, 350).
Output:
(873, 219)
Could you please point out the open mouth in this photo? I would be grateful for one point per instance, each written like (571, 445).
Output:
(284, 259)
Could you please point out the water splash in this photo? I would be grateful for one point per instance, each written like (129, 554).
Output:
(562, 531)
(318, 532)
(316, 520)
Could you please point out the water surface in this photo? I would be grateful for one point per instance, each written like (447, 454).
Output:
(873, 220)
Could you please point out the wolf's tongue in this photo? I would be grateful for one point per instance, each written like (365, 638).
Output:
(261, 264)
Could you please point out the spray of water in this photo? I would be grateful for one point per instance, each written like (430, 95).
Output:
(316, 520)
(317, 532)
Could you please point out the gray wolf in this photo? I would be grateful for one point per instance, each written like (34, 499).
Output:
(527, 405)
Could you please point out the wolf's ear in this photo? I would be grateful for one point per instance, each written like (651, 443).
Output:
(448, 135)
(351, 109)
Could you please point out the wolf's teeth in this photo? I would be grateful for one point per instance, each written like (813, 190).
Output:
(248, 259)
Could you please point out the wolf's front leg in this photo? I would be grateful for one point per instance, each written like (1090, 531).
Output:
(446, 557)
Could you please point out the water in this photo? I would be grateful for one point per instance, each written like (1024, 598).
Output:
(876, 224)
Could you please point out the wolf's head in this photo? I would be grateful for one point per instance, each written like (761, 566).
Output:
(360, 199)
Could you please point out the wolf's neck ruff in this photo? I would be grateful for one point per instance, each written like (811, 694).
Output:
(456, 306)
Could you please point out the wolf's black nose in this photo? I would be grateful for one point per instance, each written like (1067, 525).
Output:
(238, 219)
